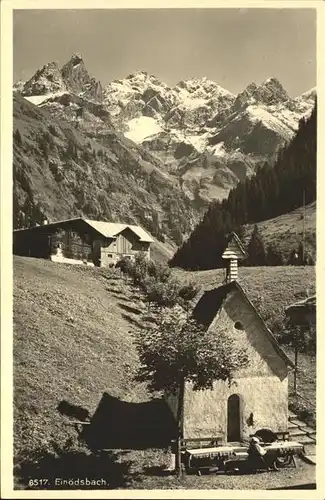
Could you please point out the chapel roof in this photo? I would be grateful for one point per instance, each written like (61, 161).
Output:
(211, 302)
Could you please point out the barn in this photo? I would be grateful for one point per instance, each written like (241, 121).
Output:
(82, 240)
(257, 397)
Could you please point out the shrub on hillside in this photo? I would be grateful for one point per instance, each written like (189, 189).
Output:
(163, 294)
(187, 293)
(159, 271)
(273, 256)
(139, 270)
(125, 266)
(155, 281)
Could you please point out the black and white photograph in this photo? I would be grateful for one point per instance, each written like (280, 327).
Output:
(163, 229)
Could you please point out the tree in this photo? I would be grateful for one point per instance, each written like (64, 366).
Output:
(256, 250)
(175, 350)
(17, 137)
(155, 223)
(265, 195)
(273, 256)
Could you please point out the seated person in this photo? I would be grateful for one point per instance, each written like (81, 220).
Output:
(257, 453)
(255, 449)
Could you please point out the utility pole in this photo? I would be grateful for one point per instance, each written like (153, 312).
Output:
(303, 227)
(297, 332)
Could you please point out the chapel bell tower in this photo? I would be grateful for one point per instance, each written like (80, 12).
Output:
(234, 252)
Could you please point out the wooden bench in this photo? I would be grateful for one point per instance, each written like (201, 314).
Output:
(205, 442)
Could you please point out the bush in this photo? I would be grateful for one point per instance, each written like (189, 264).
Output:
(125, 265)
(160, 272)
(139, 269)
(163, 294)
(155, 281)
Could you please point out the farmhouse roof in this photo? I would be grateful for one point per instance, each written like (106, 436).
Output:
(210, 304)
(112, 229)
(106, 229)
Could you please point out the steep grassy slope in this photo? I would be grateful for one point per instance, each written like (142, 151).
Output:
(67, 167)
(286, 231)
(73, 329)
(72, 342)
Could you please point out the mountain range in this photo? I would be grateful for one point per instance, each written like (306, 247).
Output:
(194, 140)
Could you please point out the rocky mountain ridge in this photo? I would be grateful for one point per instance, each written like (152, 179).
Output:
(201, 134)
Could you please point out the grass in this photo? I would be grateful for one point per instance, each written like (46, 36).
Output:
(71, 343)
(73, 330)
(286, 230)
(271, 289)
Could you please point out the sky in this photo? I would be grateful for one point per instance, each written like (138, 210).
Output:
(233, 47)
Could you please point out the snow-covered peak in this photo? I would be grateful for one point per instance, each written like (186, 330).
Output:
(272, 81)
(201, 87)
(271, 90)
(138, 94)
(140, 76)
(308, 95)
(268, 93)
(46, 80)
(76, 59)
(140, 81)
(72, 77)
(18, 86)
(75, 73)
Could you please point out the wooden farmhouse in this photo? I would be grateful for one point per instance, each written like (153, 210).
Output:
(82, 241)
(258, 395)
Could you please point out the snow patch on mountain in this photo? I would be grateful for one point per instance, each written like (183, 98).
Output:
(309, 95)
(199, 142)
(218, 149)
(141, 128)
(41, 99)
(190, 102)
(259, 114)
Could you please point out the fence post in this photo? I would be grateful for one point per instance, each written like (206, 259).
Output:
(297, 332)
